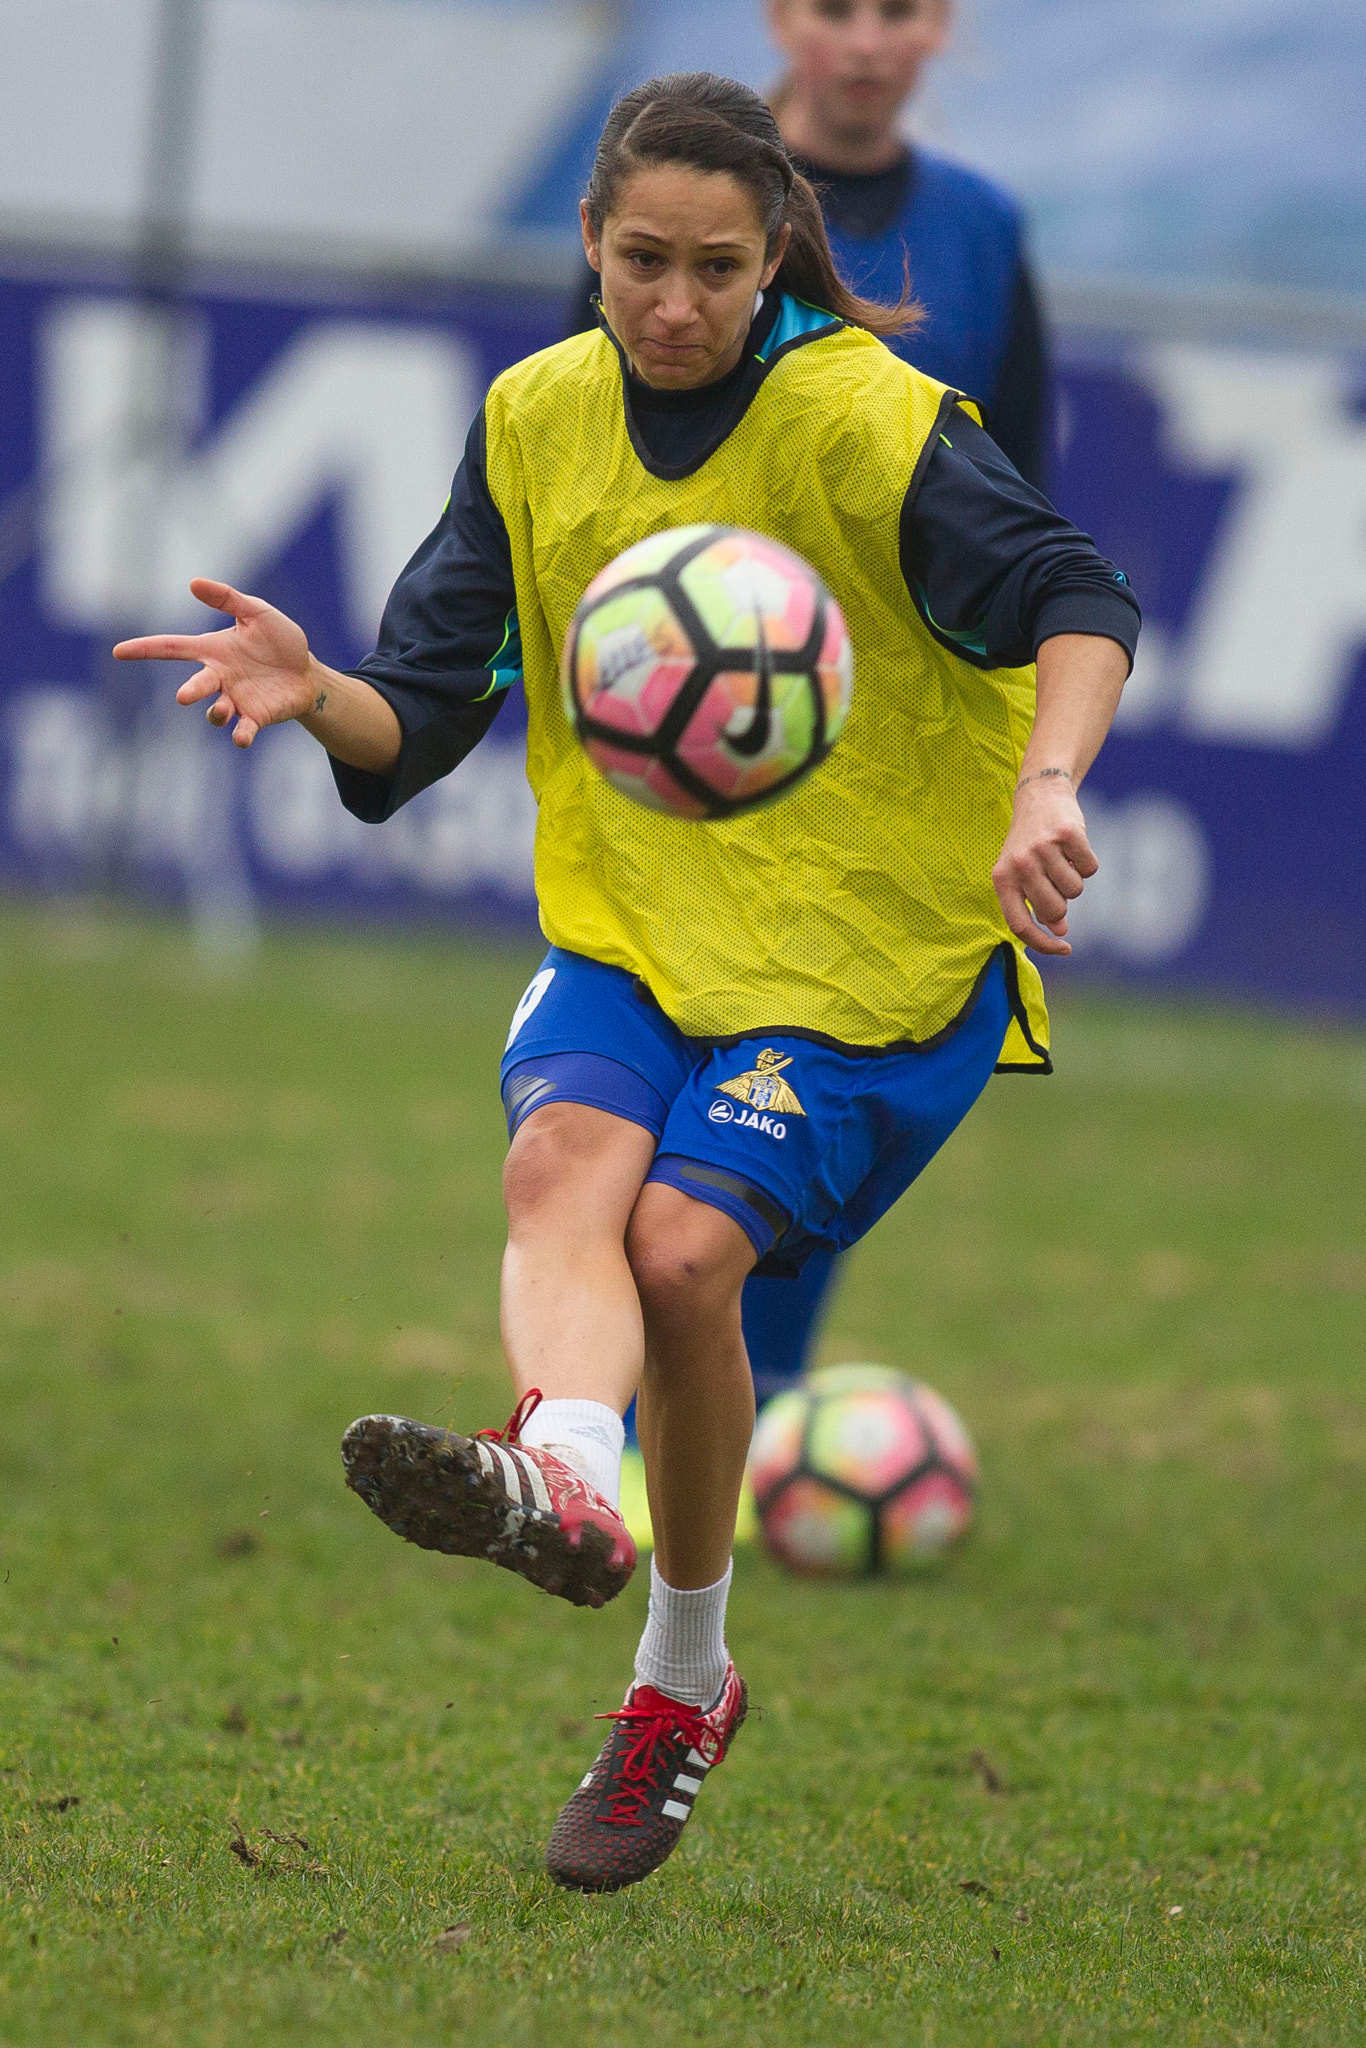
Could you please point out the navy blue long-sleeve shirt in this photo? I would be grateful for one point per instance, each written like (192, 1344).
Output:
(992, 568)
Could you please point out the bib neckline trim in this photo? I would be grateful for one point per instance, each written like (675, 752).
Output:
(796, 324)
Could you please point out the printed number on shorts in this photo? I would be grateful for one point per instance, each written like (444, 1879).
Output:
(536, 989)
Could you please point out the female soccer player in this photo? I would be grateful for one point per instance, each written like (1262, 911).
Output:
(852, 66)
(847, 937)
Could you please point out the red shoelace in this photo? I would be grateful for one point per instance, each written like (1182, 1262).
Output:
(636, 1772)
(517, 1421)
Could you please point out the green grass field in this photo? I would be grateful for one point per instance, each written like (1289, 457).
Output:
(1102, 1780)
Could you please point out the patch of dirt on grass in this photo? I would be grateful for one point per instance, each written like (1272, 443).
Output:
(1238, 1431)
(178, 1108)
(223, 1197)
(417, 1349)
(441, 1118)
(36, 1289)
(357, 1196)
(1311, 1269)
(1165, 1275)
(296, 1113)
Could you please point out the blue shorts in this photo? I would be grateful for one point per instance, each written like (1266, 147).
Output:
(803, 1144)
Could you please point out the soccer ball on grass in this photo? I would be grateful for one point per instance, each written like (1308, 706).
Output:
(860, 1469)
(706, 670)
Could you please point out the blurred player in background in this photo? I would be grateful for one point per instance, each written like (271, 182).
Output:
(891, 207)
(891, 211)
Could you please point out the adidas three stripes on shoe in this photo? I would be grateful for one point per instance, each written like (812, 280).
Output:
(628, 1814)
(491, 1496)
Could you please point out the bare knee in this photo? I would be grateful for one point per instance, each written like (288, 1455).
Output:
(568, 1157)
(538, 1162)
(685, 1256)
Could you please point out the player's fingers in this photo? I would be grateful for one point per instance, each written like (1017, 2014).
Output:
(161, 647)
(220, 711)
(1045, 936)
(1059, 870)
(244, 732)
(1048, 903)
(224, 598)
(1077, 848)
(1021, 919)
(196, 688)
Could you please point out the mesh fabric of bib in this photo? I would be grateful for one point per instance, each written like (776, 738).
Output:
(859, 906)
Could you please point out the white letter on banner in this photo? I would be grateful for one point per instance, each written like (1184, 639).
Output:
(1281, 610)
(474, 830)
(1148, 900)
(60, 757)
(371, 414)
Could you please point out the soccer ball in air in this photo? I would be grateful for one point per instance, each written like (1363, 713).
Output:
(707, 670)
(860, 1469)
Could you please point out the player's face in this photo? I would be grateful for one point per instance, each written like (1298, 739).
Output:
(857, 60)
(681, 258)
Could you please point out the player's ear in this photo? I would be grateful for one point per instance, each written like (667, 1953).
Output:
(940, 23)
(775, 261)
(777, 12)
(590, 240)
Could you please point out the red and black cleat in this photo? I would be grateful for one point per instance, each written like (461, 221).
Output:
(629, 1812)
(491, 1496)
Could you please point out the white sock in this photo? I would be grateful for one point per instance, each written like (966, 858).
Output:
(683, 1650)
(588, 1435)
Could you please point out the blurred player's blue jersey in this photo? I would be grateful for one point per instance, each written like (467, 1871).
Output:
(961, 237)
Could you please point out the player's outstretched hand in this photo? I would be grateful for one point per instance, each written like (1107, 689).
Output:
(257, 670)
(1044, 862)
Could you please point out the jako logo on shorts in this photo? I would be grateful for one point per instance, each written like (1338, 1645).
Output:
(722, 1113)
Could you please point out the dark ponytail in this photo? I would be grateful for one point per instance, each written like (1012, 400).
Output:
(713, 124)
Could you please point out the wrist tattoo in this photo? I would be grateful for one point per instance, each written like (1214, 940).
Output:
(319, 701)
(1040, 773)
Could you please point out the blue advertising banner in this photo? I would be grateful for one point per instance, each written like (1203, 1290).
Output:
(308, 446)
(1227, 807)
(299, 439)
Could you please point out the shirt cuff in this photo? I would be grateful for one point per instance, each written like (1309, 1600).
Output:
(370, 797)
(432, 745)
(1107, 614)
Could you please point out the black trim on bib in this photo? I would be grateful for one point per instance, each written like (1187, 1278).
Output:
(1010, 961)
(1021, 1016)
(947, 403)
(899, 1045)
(730, 418)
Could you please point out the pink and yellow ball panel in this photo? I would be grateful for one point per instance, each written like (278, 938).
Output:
(859, 1468)
(677, 603)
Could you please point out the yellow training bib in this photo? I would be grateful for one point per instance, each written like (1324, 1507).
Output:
(858, 907)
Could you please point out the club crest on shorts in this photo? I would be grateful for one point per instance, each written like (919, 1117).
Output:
(763, 1087)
